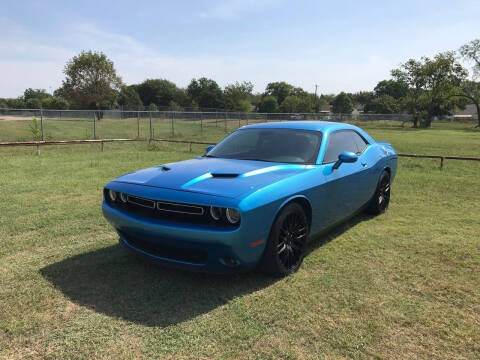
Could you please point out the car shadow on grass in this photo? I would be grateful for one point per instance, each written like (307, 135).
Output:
(116, 283)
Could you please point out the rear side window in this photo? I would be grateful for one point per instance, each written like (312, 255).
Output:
(360, 142)
(339, 142)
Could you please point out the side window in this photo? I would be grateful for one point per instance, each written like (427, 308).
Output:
(339, 142)
(360, 142)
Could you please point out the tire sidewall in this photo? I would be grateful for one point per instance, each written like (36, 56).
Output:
(379, 210)
(272, 260)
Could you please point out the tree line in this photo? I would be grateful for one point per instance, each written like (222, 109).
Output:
(425, 88)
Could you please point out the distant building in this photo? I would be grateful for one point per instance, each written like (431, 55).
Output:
(358, 109)
(469, 113)
(326, 109)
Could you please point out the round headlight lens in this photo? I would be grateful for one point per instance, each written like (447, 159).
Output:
(233, 215)
(112, 194)
(215, 212)
(123, 197)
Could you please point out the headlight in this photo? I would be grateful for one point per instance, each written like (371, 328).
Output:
(112, 194)
(123, 197)
(215, 212)
(233, 215)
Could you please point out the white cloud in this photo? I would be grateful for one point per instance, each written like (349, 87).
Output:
(24, 63)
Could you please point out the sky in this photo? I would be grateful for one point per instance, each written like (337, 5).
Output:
(338, 45)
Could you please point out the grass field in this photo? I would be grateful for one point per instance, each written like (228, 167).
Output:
(13, 129)
(404, 285)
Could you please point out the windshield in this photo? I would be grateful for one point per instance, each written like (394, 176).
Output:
(275, 145)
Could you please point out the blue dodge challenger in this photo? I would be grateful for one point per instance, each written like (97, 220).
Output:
(254, 198)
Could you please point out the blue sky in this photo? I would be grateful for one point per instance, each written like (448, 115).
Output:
(339, 45)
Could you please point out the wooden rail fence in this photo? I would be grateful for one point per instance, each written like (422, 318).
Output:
(193, 142)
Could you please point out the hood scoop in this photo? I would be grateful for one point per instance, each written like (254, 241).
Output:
(224, 175)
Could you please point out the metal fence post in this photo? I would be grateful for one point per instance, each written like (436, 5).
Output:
(41, 123)
(138, 125)
(247, 118)
(150, 125)
(239, 117)
(201, 122)
(226, 114)
(216, 118)
(173, 124)
(94, 126)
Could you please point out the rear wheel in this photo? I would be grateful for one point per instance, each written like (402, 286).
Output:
(381, 199)
(287, 241)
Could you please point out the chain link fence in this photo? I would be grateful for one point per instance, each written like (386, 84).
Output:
(48, 125)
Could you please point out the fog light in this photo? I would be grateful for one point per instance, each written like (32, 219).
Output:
(123, 197)
(233, 215)
(112, 195)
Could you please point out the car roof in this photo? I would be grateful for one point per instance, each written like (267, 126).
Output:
(314, 125)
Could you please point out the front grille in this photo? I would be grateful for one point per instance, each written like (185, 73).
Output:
(169, 211)
(161, 250)
(141, 202)
(180, 208)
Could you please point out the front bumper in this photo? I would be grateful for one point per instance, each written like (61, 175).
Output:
(193, 247)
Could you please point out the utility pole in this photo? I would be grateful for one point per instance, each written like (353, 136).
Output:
(316, 99)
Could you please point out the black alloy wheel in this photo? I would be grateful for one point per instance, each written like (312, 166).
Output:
(287, 242)
(381, 199)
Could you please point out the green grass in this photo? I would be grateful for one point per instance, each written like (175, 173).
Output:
(70, 129)
(402, 285)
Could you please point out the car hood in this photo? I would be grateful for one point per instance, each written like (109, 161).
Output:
(214, 176)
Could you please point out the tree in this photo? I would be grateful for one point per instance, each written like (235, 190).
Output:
(393, 88)
(290, 104)
(470, 89)
(237, 96)
(34, 103)
(342, 104)
(384, 104)
(173, 106)
(305, 104)
(152, 107)
(91, 81)
(361, 97)
(410, 73)
(17, 103)
(57, 103)
(40, 94)
(181, 98)
(157, 91)
(280, 90)
(129, 99)
(205, 92)
(471, 52)
(268, 104)
(432, 85)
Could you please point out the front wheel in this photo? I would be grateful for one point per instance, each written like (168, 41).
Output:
(381, 199)
(287, 242)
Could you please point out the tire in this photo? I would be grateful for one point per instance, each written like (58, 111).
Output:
(381, 199)
(287, 241)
